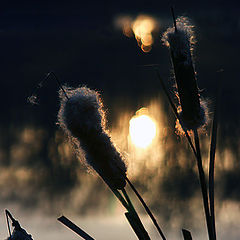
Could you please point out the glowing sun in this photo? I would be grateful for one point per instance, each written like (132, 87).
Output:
(142, 130)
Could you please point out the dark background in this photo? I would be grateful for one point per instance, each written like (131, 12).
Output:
(79, 42)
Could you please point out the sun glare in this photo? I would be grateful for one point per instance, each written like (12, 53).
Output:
(142, 130)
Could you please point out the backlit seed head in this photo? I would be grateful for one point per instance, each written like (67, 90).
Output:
(82, 117)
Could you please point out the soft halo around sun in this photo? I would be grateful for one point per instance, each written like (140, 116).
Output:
(142, 130)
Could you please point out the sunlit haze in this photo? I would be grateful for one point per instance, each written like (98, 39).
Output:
(142, 130)
(142, 27)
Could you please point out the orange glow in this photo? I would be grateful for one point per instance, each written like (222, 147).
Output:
(142, 27)
(125, 22)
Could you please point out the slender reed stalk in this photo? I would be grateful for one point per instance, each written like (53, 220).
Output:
(203, 186)
(211, 170)
(146, 208)
(120, 198)
(33, 97)
(134, 219)
(212, 158)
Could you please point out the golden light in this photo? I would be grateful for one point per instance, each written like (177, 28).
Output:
(142, 129)
(125, 22)
(143, 27)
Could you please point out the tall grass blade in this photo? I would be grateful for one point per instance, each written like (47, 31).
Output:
(65, 221)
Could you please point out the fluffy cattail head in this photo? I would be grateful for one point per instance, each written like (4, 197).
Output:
(180, 41)
(82, 117)
(82, 113)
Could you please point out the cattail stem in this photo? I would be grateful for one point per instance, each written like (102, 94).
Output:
(146, 208)
(40, 84)
(134, 219)
(212, 158)
(211, 170)
(131, 215)
(128, 199)
(59, 83)
(174, 19)
(120, 197)
(203, 186)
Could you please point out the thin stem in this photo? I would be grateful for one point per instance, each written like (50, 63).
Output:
(120, 197)
(134, 219)
(146, 208)
(203, 186)
(59, 84)
(8, 215)
(211, 170)
(174, 19)
(212, 158)
(40, 84)
(128, 198)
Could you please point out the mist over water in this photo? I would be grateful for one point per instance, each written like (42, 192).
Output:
(38, 190)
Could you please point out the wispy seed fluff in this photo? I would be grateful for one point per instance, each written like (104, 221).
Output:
(180, 42)
(82, 116)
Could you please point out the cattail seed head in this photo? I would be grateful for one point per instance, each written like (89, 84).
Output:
(82, 117)
(180, 41)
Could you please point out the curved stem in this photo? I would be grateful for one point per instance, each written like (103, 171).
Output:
(146, 208)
